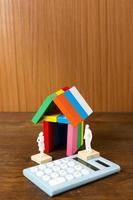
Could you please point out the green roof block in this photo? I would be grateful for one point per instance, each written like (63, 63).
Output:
(46, 103)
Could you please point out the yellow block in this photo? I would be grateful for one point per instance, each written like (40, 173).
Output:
(59, 92)
(51, 118)
(82, 132)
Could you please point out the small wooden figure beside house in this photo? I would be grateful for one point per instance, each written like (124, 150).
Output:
(62, 114)
(41, 157)
(88, 153)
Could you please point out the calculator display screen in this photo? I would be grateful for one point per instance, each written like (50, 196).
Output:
(86, 164)
(102, 163)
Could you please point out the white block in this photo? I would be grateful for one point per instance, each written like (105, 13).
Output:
(81, 100)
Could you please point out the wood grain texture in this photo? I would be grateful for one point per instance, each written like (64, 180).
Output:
(47, 44)
(112, 137)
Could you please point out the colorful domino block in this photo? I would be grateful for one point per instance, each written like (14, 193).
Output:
(65, 88)
(71, 139)
(81, 100)
(43, 108)
(62, 119)
(51, 118)
(48, 136)
(79, 135)
(56, 135)
(60, 134)
(82, 132)
(59, 92)
(67, 109)
(76, 104)
(63, 133)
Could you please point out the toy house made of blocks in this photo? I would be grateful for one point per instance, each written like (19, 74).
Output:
(62, 114)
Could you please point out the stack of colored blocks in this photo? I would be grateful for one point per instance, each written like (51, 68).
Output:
(63, 114)
(58, 130)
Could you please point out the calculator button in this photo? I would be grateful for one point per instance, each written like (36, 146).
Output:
(50, 164)
(77, 174)
(54, 175)
(78, 167)
(70, 170)
(65, 160)
(39, 173)
(85, 171)
(71, 164)
(62, 172)
(41, 167)
(57, 162)
(69, 177)
(57, 181)
(46, 178)
(56, 168)
(63, 166)
(48, 171)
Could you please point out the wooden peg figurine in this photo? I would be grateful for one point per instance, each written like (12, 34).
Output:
(88, 153)
(41, 157)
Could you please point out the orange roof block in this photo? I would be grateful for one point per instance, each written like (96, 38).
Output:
(67, 109)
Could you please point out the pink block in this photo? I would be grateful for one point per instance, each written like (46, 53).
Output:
(72, 132)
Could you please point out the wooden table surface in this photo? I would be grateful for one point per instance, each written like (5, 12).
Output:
(112, 136)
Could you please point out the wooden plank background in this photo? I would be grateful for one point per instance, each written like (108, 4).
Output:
(48, 44)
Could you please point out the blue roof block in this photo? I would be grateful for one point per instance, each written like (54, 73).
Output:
(76, 105)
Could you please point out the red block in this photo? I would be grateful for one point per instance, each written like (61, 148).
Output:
(48, 130)
(66, 88)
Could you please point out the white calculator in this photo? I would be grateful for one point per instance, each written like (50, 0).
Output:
(70, 172)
